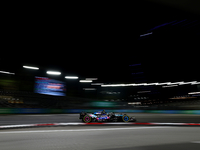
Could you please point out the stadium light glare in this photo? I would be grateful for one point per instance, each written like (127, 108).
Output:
(164, 83)
(147, 84)
(91, 79)
(53, 72)
(140, 84)
(175, 83)
(194, 93)
(169, 86)
(146, 34)
(195, 83)
(30, 67)
(71, 77)
(96, 83)
(85, 81)
(5, 72)
(192, 82)
(89, 89)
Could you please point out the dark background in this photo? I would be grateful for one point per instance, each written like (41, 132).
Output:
(102, 39)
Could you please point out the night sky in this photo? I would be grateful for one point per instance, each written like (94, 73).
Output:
(102, 40)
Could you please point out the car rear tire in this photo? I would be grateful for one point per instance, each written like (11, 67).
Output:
(87, 119)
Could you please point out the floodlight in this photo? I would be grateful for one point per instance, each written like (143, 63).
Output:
(53, 72)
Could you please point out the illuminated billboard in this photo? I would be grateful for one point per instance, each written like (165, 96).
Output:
(44, 85)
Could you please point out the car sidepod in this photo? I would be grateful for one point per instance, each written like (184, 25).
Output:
(132, 119)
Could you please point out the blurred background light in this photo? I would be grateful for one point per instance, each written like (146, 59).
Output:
(96, 83)
(164, 83)
(150, 84)
(146, 34)
(53, 72)
(71, 77)
(86, 81)
(5, 72)
(194, 93)
(91, 79)
(196, 83)
(89, 89)
(192, 82)
(30, 67)
(175, 83)
(169, 86)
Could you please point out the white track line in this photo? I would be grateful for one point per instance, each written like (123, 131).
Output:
(65, 124)
(80, 130)
(197, 142)
(95, 123)
(17, 126)
(168, 123)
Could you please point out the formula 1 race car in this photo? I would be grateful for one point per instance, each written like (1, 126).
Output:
(103, 116)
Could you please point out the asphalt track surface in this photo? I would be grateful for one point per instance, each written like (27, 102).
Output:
(67, 118)
(101, 138)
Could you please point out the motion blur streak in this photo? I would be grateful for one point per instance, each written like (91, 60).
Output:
(146, 34)
(194, 93)
(89, 89)
(85, 81)
(71, 77)
(53, 72)
(169, 86)
(5, 72)
(91, 79)
(29, 67)
(102, 129)
(148, 84)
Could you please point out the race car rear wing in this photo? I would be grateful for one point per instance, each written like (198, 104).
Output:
(82, 114)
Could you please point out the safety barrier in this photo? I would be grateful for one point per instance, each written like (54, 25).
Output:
(59, 111)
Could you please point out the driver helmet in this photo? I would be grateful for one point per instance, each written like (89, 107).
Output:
(103, 112)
